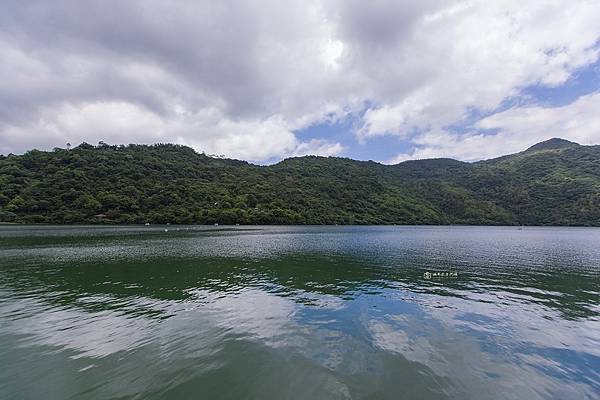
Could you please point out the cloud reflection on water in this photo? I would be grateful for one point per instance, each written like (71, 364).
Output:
(303, 312)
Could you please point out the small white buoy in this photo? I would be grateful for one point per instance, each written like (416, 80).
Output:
(166, 230)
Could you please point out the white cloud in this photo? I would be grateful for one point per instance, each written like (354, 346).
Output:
(318, 147)
(239, 79)
(208, 130)
(578, 121)
(475, 54)
(517, 129)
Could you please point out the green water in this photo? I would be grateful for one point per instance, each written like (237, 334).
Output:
(299, 312)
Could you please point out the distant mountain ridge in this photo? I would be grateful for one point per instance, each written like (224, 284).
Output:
(552, 144)
(555, 182)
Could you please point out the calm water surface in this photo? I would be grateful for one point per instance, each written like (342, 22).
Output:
(299, 313)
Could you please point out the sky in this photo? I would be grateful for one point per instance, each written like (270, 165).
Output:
(383, 80)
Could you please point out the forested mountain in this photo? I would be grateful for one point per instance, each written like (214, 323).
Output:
(552, 183)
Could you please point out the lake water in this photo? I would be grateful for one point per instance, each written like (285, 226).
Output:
(299, 312)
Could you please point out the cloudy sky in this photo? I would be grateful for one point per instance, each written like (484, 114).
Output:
(387, 80)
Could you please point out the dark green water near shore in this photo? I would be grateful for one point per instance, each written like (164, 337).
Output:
(299, 312)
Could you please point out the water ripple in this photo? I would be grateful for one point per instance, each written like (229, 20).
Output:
(299, 312)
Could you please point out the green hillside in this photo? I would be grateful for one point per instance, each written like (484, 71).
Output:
(553, 183)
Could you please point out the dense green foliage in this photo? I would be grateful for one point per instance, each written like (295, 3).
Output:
(553, 183)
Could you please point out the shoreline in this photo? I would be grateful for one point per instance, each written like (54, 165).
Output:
(300, 225)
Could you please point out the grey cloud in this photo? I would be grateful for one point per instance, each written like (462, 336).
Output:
(240, 77)
(207, 47)
(380, 24)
